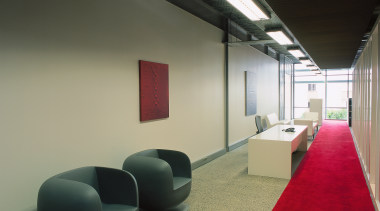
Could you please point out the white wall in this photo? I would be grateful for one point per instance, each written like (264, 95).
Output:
(69, 87)
(241, 59)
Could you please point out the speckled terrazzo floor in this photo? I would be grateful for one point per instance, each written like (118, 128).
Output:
(224, 184)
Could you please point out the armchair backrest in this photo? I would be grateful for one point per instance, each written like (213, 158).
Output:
(311, 115)
(85, 175)
(112, 185)
(179, 162)
(163, 177)
(148, 153)
(272, 118)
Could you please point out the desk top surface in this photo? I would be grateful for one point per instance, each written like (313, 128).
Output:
(276, 133)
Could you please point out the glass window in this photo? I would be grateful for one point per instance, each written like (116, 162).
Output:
(333, 86)
(337, 95)
(337, 78)
(300, 95)
(313, 77)
(303, 73)
(298, 112)
(307, 87)
(337, 72)
(336, 113)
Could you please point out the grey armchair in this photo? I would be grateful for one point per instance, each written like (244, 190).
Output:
(89, 189)
(163, 178)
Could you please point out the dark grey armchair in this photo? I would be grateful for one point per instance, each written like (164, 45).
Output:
(89, 189)
(163, 178)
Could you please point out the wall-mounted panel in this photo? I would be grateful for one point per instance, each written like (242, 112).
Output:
(250, 93)
(154, 90)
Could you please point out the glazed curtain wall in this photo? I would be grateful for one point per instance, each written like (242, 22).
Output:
(365, 98)
(69, 87)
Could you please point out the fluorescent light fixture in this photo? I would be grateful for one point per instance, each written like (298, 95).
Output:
(305, 61)
(311, 66)
(300, 67)
(296, 52)
(280, 37)
(249, 9)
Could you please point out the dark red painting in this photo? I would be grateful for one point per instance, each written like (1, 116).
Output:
(154, 90)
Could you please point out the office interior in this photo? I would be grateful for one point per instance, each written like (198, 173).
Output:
(69, 87)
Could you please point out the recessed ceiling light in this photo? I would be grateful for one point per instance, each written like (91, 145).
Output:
(305, 61)
(296, 52)
(311, 66)
(280, 37)
(249, 9)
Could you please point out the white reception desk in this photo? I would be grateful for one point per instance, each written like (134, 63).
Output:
(270, 152)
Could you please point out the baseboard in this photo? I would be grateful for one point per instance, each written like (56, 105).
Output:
(238, 144)
(374, 201)
(217, 154)
(207, 159)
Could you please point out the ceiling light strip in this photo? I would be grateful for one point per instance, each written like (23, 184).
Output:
(249, 9)
(305, 61)
(296, 53)
(280, 37)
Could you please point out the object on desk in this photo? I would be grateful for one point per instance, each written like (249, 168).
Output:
(291, 129)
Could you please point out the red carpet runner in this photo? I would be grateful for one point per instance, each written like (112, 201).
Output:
(330, 176)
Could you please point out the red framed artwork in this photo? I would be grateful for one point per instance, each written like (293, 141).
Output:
(154, 90)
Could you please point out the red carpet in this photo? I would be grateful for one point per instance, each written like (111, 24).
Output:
(330, 176)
